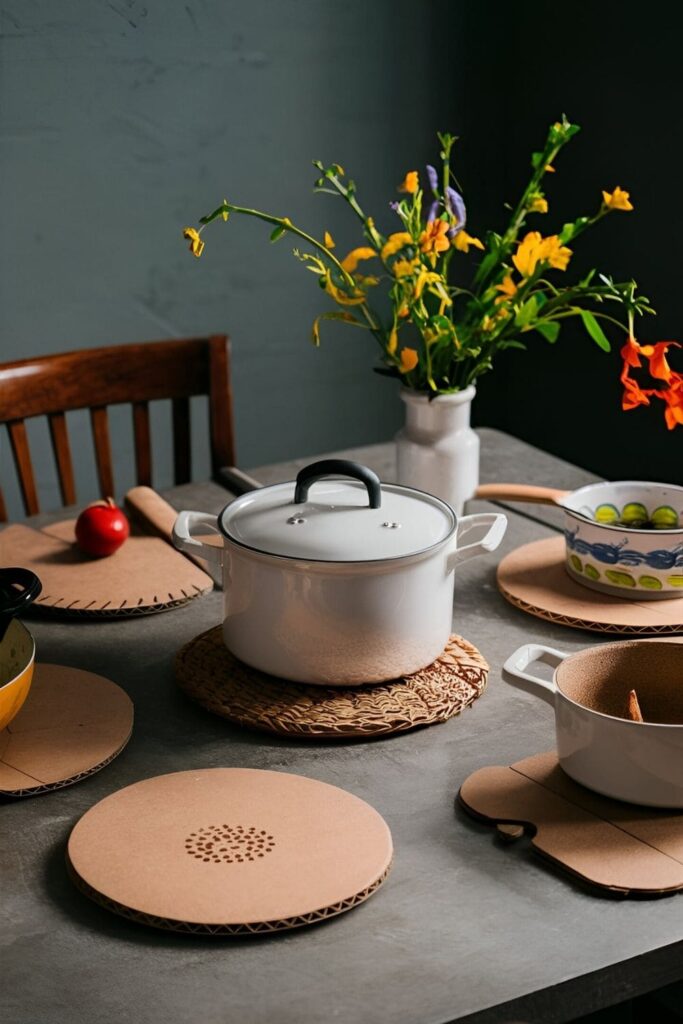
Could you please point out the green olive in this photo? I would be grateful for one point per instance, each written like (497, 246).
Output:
(664, 518)
(633, 513)
(606, 514)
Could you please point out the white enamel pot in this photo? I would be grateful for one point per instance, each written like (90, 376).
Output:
(604, 552)
(350, 584)
(597, 745)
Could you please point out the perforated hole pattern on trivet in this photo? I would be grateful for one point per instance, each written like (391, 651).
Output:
(229, 844)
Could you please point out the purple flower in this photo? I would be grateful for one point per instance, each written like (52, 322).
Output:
(455, 205)
(394, 206)
(433, 180)
(433, 211)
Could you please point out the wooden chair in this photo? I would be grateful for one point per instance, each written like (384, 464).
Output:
(96, 378)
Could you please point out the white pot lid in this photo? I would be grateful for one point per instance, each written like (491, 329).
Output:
(323, 519)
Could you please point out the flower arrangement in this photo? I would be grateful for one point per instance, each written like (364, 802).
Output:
(447, 320)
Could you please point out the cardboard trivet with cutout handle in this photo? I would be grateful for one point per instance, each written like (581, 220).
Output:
(72, 724)
(615, 846)
(208, 673)
(230, 851)
(534, 579)
(145, 575)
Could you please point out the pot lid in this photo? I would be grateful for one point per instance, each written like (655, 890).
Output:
(326, 519)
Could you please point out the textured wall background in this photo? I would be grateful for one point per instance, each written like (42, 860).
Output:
(123, 120)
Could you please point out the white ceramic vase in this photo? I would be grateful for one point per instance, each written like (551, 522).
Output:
(437, 450)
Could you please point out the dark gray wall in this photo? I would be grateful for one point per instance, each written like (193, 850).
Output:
(124, 120)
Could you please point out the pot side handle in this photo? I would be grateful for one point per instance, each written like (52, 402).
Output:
(493, 523)
(184, 541)
(515, 670)
(520, 492)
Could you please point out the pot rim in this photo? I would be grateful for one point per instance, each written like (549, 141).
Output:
(602, 714)
(673, 531)
(409, 556)
(32, 656)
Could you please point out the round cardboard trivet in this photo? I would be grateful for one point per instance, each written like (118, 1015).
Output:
(534, 579)
(72, 724)
(211, 675)
(230, 851)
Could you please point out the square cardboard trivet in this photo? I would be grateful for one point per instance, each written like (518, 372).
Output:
(230, 851)
(208, 673)
(534, 579)
(145, 575)
(618, 847)
(72, 724)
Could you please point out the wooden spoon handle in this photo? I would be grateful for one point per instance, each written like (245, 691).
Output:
(520, 492)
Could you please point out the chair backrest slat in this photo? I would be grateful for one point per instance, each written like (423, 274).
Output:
(99, 421)
(181, 440)
(60, 446)
(22, 460)
(221, 424)
(3, 508)
(143, 443)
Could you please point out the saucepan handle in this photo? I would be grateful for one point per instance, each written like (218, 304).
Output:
(515, 670)
(520, 492)
(338, 467)
(493, 526)
(184, 541)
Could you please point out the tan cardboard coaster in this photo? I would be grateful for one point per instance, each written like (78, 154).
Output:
(616, 846)
(533, 578)
(145, 575)
(208, 673)
(230, 851)
(72, 724)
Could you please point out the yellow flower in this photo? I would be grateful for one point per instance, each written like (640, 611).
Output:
(355, 298)
(534, 249)
(392, 343)
(430, 277)
(395, 242)
(434, 238)
(351, 261)
(196, 244)
(404, 311)
(409, 360)
(463, 241)
(404, 268)
(507, 288)
(617, 200)
(410, 183)
(225, 213)
(556, 254)
(328, 240)
(549, 169)
(538, 205)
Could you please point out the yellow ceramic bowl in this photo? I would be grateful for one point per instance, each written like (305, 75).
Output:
(17, 657)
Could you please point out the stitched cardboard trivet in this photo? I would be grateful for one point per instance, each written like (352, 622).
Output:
(208, 673)
(230, 851)
(533, 578)
(616, 846)
(72, 724)
(145, 575)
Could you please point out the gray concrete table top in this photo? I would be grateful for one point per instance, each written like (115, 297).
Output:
(463, 930)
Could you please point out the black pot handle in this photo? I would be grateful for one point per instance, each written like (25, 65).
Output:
(18, 589)
(338, 467)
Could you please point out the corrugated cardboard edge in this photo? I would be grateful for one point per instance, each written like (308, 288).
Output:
(226, 930)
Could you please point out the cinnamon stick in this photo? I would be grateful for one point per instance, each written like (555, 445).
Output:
(634, 712)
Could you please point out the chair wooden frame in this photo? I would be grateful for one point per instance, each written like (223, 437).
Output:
(119, 374)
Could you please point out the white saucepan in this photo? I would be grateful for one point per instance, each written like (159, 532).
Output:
(339, 581)
(623, 538)
(597, 744)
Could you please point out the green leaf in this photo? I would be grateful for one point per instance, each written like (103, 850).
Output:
(527, 312)
(549, 330)
(278, 232)
(595, 331)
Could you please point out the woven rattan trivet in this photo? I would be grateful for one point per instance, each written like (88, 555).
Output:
(72, 724)
(230, 851)
(534, 579)
(208, 673)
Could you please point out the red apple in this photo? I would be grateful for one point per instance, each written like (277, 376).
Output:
(101, 528)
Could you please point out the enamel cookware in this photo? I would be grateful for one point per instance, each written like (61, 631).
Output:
(336, 578)
(623, 538)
